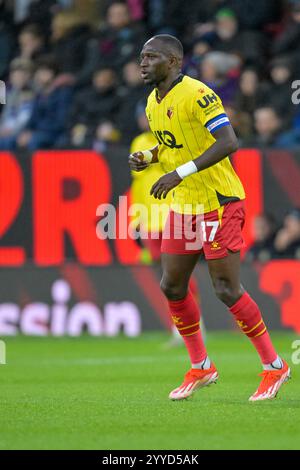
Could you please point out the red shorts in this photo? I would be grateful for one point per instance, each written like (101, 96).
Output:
(212, 234)
(153, 244)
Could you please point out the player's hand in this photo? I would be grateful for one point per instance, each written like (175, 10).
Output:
(137, 162)
(167, 182)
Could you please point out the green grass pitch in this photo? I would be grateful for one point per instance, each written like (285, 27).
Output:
(94, 393)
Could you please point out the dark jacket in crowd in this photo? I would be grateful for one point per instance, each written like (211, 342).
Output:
(50, 112)
(127, 122)
(91, 106)
(279, 96)
(261, 251)
(288, 41)
(250, 45)
(256, 15)
(70, 50)
(291, 252)
(114, 48)
(7, 46)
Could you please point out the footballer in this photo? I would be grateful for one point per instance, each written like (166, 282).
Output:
(194, 138)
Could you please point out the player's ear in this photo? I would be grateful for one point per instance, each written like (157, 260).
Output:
(173, 60)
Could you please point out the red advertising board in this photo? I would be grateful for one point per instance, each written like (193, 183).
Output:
(49, 214)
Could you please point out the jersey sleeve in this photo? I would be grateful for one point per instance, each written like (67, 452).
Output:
(208, 109)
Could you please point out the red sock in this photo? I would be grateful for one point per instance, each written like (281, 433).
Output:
(249, 319)
(186, 317)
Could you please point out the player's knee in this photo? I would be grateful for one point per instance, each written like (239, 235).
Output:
(172, 290)
(226, 293)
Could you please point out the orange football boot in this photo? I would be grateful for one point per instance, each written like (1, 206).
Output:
(271, 383)
(193, 380)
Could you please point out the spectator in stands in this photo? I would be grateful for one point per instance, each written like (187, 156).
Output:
(220, 71)
(256, 16)
(118, 40)
(131, 94)
(192, 62)
(287, 240)
(264, 232)
(220, 37)
(31, 42)
(93, 105)
(241, 123)
(137, 9)
(37, 11)
(7, 42)
(248, 95)
(172, 18)
(19, 102)
(70, 34)
(288, 41)
(268, 127)
(106, 135)
(248, 45)
(278, 90)
(270, 131)
(47, 122)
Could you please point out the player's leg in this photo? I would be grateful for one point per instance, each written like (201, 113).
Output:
(185, 312)
(153, 244)
(193, 286)
(225, 275)
(177, 339)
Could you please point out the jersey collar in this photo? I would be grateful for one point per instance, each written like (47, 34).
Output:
(178, 80)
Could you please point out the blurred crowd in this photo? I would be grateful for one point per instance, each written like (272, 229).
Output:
(72, 67)
(273, 241)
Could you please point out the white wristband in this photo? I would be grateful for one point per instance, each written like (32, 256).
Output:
(186, 169)
(147, 156)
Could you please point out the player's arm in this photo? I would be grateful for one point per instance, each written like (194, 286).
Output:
(138, 161)
(226, 143)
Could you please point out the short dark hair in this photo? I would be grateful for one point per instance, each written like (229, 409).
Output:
(171, 44)
(33, 29)
(48, 62)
